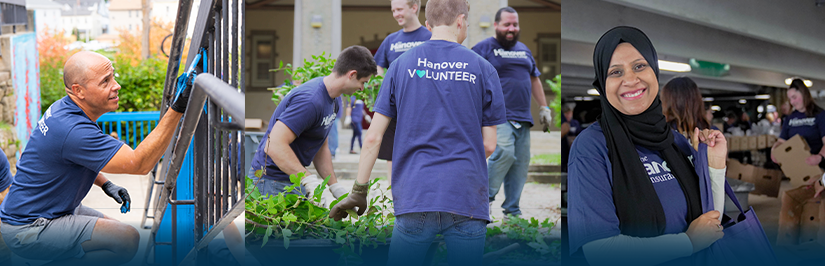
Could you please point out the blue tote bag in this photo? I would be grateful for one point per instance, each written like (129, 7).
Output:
(744, 243)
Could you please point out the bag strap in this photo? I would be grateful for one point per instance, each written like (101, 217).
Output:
(729, 192)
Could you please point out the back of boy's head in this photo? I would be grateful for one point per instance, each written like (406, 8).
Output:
(444, 12)
(356, 58)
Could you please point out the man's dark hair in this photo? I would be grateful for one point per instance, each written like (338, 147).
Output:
(356, 58)
(506, 9)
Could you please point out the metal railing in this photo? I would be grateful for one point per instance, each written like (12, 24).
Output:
(216, 130)
(131, 127)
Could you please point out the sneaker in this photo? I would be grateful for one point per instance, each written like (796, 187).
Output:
(352, 152)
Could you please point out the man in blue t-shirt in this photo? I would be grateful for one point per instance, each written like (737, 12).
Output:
(519, 78)
(447, 101)
(298, 129)
(42, 217)
(411, 35)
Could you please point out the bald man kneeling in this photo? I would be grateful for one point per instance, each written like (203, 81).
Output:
(42, 217)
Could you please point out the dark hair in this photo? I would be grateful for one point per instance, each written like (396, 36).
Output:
(356, 58)
(811, 108)
(682, 105)
(505, 9)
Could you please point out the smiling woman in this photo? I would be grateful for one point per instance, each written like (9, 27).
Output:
(634, 196)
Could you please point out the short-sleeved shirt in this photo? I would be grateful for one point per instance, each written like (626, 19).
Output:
(399, 42)
(309, 112)
(515, 67)
(592, 213)
(65, 153)
(357, 109)
(5, 171)
(340, 102)
(441, 94)
(812, 129)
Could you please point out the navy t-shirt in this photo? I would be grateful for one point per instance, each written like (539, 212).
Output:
(309, 112)
(812, 129)
(399, 42)
(357, 109)
(592, 214)
(5, 171)
(515, 68)
(61, 161)
(340, 102)
(441, 94)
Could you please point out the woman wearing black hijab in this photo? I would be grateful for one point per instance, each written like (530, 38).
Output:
(635, 197)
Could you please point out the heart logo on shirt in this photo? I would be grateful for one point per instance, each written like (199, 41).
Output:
(420, 73)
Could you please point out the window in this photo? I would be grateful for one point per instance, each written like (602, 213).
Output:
(547, 57)
(263, 58)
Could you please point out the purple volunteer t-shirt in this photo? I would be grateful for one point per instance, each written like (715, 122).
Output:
(399, 42)
(441, 94)
(61, 161)
(812, 129)
(309, 112)
(591, 212)
(515, 67)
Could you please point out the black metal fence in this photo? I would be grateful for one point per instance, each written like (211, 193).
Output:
(216, 129)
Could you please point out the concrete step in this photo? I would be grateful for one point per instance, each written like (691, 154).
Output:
(544, 168)
(545, 178)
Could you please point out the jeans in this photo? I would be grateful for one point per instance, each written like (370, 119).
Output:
(414, 233)
(356, 134)
(333, 137)
(508, 164)
(272, 187)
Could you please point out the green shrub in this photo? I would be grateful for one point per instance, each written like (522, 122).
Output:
(555, 87)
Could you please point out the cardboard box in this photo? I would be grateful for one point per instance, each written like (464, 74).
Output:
(771, 140)
(735, 169)
(734, 143)
(766, 181)
(791, 157)
(790, 215)
(762, 142)
(254, 124)
(743, 144)
(752, 142)
(809, 220)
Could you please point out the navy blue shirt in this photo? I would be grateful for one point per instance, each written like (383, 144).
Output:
(399, 42)
(61, 162)
(309, 112)
(515, 67)
(357, 109)
(5, 171)
(592, 213)
(812, 129)
(441, 94)
(340, 102)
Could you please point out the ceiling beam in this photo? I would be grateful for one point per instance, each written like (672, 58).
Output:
(547, 4)
(261, 3)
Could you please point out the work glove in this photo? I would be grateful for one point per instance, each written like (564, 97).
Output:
(545, 117)
(337, 190)
(310, 183)
(183, 99)
(347, 120)
(356, 198)
(119, 194)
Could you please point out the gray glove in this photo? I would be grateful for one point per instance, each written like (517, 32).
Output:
(116, 192)
(545, 117)
(337, 190)
(310, 183)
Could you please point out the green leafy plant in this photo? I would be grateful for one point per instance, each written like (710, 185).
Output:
(320, 66)
(533, 233)
(555, 87)
(290, 217)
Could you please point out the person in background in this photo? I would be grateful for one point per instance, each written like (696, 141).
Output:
(411, 34)
(683, 107)
(333, 134)
(806, 120)
(357, 115)
(570, 128)
(5, 184)
(519, 77)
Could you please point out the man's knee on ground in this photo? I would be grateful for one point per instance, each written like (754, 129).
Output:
(119, 238)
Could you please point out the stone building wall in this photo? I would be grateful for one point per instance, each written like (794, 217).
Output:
(8, 136)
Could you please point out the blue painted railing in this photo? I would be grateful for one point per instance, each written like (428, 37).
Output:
(131, 127)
